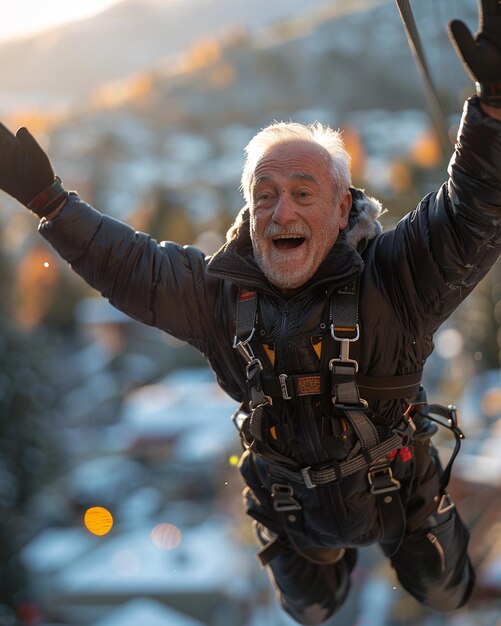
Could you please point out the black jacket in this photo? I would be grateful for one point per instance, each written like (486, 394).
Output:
(412, 278)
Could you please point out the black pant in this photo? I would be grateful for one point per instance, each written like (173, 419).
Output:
(431, 564)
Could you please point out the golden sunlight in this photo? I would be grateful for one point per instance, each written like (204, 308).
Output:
(26, 17)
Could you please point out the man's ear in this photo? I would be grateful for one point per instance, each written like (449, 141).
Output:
(344, 210)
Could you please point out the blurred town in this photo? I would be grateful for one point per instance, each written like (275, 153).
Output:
(119, 488)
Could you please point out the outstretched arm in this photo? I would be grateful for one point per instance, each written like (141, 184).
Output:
(161, 285)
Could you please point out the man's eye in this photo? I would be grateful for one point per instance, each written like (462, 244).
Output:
(264, 196)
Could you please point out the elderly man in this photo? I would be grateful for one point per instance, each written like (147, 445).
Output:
(319, 324)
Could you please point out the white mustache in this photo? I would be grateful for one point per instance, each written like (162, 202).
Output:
(275, 230)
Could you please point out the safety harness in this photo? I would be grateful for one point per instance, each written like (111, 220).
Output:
(349, 392)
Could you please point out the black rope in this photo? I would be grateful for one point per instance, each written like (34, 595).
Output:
(414, 40)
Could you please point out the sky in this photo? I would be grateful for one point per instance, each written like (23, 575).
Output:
(23, 17)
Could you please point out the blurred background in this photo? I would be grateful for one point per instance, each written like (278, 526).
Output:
(119, 492)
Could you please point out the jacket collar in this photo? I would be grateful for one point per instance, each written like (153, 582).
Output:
(235, 262)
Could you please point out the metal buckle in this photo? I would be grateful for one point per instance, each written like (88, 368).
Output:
(252, 367)
(283, 498)
(243, 346)
(306, 474)
(345, 344)
(348, 339)
(443, 507)
(406, 428)
(283, 387)
(377, 472)
(454, 421)
(341, 360)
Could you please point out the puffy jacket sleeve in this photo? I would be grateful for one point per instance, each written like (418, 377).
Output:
(163, 285)
(437, 254)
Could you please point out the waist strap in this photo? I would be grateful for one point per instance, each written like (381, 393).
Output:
(312, 477)
(370, 387)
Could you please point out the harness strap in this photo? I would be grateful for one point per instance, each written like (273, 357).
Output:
(448, 413)
(398, 387)
(246, 315)
(289, 512)
(344, 388)
(336, 472)
(270, 550)
(393, 522)
(370, 454)
(389, 387)
(348, 386)
(344, 309)
(364, 428)
(345, 330)
(295, 386)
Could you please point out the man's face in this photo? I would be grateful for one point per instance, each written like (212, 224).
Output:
(294, 218)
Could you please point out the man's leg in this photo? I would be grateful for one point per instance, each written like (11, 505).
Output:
(432, 563)
(310, 592)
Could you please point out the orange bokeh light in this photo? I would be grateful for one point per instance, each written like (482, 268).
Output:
(98, 520)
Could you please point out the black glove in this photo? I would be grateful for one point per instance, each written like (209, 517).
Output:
(481, 54)
(26, 172)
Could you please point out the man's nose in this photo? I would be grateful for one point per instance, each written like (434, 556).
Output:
(284, 209)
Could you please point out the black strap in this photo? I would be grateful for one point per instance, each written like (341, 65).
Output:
(392, 518)
(345, 331)
(436, 411)
(344, 309)
(246, 315)
(289, 512)
(295, 386)
(333, 473)
(398, 387)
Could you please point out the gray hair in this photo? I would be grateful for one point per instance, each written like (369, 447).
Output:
(285, 132)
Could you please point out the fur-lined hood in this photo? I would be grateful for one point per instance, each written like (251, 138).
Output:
(363, 224)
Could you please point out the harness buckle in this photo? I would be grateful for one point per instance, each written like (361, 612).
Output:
(348, 339)
(243, 347)
(283, 387)
(253, 367)
(406, 427)
(345, 342)
(381, 479)
(343, 361)
(306, 474)
(446, 504)
(283, 498)
(454, 420)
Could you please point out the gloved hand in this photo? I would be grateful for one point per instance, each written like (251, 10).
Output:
(26, 172)
(481, 55)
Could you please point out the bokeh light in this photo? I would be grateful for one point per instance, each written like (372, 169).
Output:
(449, 343)
(233, 460)
(98, 520)
(166, 536)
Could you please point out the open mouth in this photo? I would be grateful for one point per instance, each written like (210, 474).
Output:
(287, 243)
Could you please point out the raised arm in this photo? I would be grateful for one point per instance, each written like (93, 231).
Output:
(439, 252)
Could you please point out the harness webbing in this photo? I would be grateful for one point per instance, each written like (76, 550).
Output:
(337, 375)
(414, 41)
(334, 473)
(347, 384)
